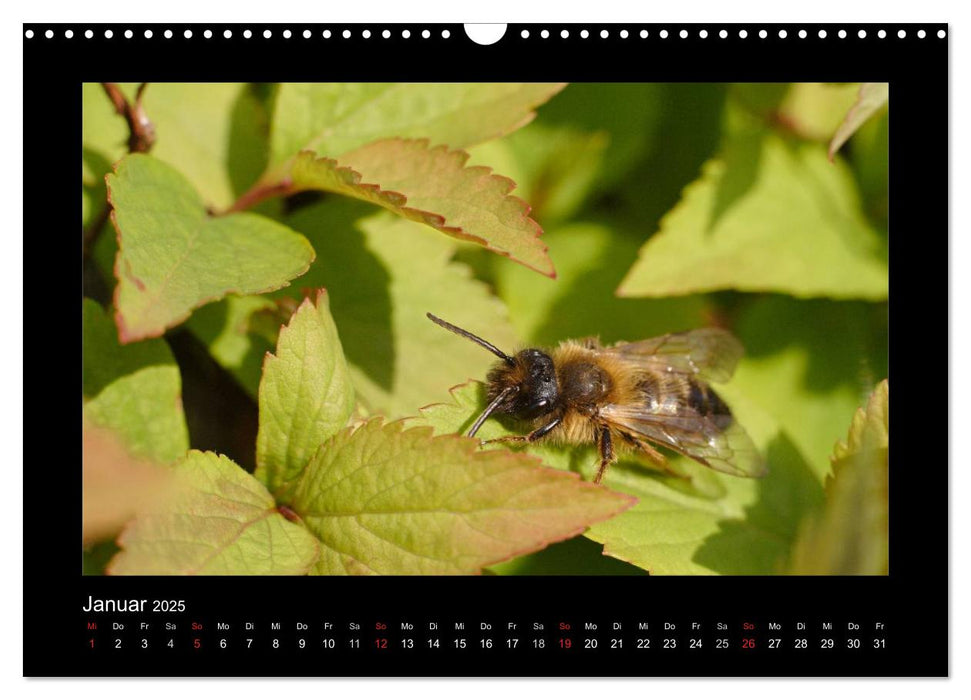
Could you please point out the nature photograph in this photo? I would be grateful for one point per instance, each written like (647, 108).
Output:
(504, 329)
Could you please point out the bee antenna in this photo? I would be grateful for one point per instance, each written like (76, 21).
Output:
(489, 409)
(474, 338)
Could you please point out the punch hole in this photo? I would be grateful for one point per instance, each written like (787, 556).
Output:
(29, 34)
(483, 34)
(941, 34)
(921, 34)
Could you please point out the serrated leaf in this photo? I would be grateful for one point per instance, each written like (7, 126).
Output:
(333, 118)
(432, 186)
(701, 523)
(221, 521)
(850, 536)
(871, 98)
(555, 168)
(305, 394)
(173, 258)
(385, 274)
(870, 429)
(135, 390)
(384, 500)
(768, 215)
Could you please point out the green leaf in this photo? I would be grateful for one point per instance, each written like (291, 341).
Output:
(385, 500)
(305, 395)
(809, 364)
(590, 261)
(384, 274)
(432, 186)
(333, 118)
(134, 390)
(224, 327)
(701, 523)
(769, 215)
(222, 521)
(871, 98)
(173, 258)
(814, 110)
(555, 168)
(850, 536)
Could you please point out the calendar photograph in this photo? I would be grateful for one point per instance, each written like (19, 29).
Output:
(471, 328)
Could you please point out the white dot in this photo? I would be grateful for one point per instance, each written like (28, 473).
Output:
(29, 34)
(50, 33)
(861, 33)
(623, 34)
(783, 34)
(742, 34)
(69, 34)
(405, 34)
(763, 34)
(307, 34)
(386, 33)
(664, 34)
(901, 34)
(129, 34)
(346, 34)
(842, 34)
(187, 33)
(87, 34)
(326, 34)
(921, 34)
(643, 34)
(882, 34)
(446, 34)
(227, 34)
(168, 33)
(425, 34)
(267, 33)
(109, 33)
(584, 33)
(524, 34)
(247, 33)
(287, 34)
(723, 34)
(564, 34)
(941, 34)
(544, 34)
(683, 34)
(703, 33)
(822, 33)
(604, 33)
(148, 33)
(366, 34)
(207, 34)
(802, 33)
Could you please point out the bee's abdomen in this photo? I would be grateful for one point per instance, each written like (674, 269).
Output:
(702, 399)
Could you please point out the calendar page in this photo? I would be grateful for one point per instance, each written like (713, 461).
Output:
(490, 350)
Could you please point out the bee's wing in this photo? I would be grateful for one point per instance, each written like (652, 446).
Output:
(710, 353)
(715, 440)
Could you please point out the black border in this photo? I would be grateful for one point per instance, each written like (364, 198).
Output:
(912, 601)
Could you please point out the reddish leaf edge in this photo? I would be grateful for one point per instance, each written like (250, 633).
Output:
(437, 221)
(471, 448)
(125, 334)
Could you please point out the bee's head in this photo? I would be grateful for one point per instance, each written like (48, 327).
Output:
(527, 383)
(523, 385)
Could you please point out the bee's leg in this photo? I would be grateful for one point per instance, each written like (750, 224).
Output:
(606, 446)
(531, 437)
(653, 455)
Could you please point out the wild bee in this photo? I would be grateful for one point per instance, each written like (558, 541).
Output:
(627, 395)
